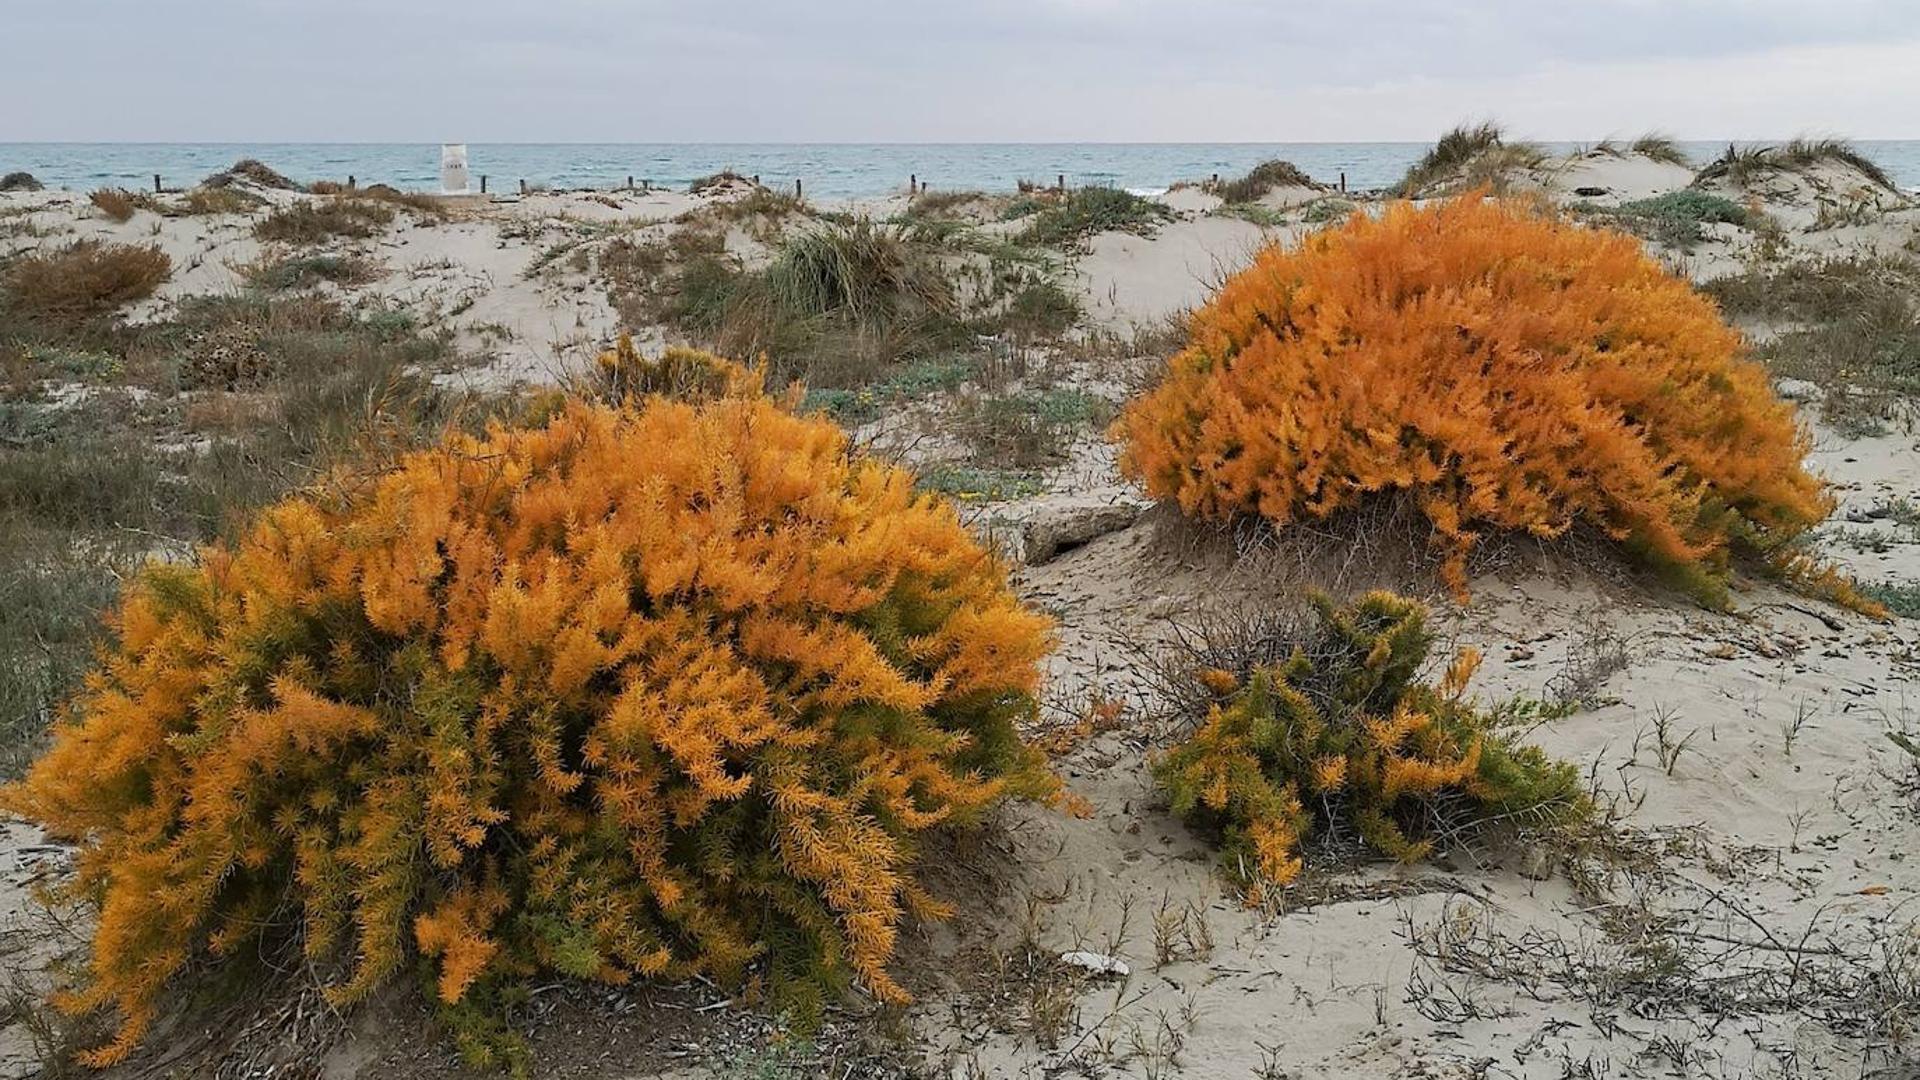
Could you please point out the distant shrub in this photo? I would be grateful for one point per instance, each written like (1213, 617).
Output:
(1506, 370)
(725, 178)
(1466, 158)
(1263, 178)
(20, 181)
(648, 692)
(319, 221)
(253, 172)
(1339, 735)
(83, 278)
(116, 204)
(1085, 212)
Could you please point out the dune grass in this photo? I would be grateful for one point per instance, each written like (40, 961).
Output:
(1468, 156)
(1741, 166)
(117, 204)
(1662, 148)
(307, 271)
(20, 181)
(1259, 180)
(254, 172)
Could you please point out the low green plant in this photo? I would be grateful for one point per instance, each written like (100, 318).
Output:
(1086, 212)
(1674, 218)
(1261, 179)
(1343, 738)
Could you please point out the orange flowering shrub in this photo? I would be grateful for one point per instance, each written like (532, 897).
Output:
(641, 692)
(1509, 370)
(1343, 736)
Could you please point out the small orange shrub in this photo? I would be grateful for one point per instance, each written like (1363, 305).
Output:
(1510, 370)
(646, 691)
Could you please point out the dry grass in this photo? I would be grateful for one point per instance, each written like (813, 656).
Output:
(116, 203)
(83, 279)
(209, 201)
(1661, 147)
(318, 222)
(307, 271)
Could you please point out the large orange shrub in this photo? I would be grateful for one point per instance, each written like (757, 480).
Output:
(1510, 370)
(645, 691)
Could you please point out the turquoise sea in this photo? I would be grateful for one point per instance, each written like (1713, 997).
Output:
(833, 170)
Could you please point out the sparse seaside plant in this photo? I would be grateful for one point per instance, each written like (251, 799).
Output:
(1674, 218)
(1334, 733)
(20, 181)
(1506, 370)
(646, 692)
(117, 204)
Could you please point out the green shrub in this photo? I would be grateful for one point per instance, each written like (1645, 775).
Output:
(1337, 735)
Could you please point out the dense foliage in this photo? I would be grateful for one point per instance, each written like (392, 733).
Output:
(1343, 737)
(644, 691)
(1510, 371)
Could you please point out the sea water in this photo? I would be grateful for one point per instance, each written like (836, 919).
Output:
(828, 170)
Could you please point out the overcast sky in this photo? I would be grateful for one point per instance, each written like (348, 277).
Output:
(958, 70)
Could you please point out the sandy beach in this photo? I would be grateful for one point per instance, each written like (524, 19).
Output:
(1750, 914)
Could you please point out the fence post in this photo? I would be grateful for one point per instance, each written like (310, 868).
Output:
(629, 183)
(523, 185)
(796, 189)
(483, 183)
(352, 182)
(156, 183)
(913, 183)
(1062, 184)
(1343, 181)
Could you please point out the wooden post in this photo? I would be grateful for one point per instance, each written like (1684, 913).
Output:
(1343, 181)
(523, 186)
(796, 189)
(629, 183)
(756, 179)
(1062, 186)
(646, 184)
(913, 184)
(351, 182)
(1216, 179)
(156, 183)
(483, 183)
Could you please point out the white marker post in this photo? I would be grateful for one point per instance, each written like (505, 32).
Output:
(453, 168)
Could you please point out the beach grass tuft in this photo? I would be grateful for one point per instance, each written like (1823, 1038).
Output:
(1086, 212)
(1741, 166)
(1259, 180)
(1466, 157)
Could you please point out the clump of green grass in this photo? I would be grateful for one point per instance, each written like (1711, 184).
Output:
(1853, 330)
(1086, 212)
(319, 221)
(1743, 166)
(83, 279)
(1674, 218)
(307, 271)
(1261, 179)
(1468, 157)
(20, 181)
(943, 205)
